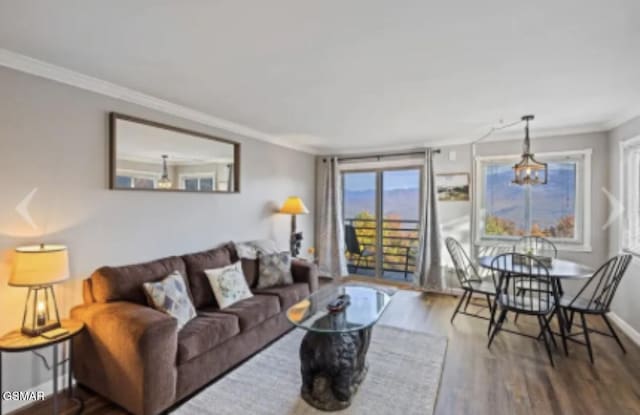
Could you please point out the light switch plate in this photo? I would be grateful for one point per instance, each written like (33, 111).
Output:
(452, 156)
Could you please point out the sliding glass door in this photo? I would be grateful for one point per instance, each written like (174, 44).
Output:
(382, 219)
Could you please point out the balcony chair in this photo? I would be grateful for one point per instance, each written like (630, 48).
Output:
(354, 246)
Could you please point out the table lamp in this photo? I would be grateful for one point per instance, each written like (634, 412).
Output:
(294, 206)
(38, 267)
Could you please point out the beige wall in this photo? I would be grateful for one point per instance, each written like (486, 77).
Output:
(54, 138)
(455, 217)
(625, 303)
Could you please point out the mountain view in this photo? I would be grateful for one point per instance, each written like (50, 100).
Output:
(397, 202)
(400, 193)
(551, 207)
(400, 201)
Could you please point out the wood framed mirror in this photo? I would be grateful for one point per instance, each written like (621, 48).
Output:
(147, 155)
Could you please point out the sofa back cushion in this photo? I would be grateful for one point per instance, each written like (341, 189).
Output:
(197, 263)
(249, 266)
(125, 283)
(250, 269)
(87, 291)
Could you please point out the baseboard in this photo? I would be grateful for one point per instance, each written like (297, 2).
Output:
(46, 387)
(626, 328)
(459, 291)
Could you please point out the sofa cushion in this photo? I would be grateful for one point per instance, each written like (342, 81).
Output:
(197, 263)
(205, 332)
(288, 295)
(125, 283)
(254, 310)
(250, 270)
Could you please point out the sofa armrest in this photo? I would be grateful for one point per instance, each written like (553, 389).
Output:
(127, 353)
(304, 271)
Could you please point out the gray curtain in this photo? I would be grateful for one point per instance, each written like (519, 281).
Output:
(330, 247)
(429, 271)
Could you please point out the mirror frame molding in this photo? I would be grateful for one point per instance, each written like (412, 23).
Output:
(115, 116)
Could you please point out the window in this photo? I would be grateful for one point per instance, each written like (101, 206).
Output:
(558, 210)
(135, 181)
(203, 182)
(630, 156)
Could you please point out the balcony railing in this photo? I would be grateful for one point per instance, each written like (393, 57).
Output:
(399, 247)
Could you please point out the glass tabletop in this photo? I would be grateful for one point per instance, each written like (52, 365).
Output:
(365, 306)
(559, 268)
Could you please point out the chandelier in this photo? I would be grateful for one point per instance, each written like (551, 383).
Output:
(164, 182)
(529, 170)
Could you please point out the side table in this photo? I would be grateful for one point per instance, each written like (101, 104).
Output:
(15, 341)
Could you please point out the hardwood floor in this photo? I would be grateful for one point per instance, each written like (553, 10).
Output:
(513, 377)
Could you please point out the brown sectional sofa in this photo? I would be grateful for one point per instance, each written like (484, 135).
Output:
(134, 355)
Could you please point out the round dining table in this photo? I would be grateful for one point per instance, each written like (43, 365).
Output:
(559, 270)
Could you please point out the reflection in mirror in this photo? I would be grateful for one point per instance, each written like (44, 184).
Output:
(149, 156)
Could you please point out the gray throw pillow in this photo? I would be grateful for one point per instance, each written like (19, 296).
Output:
(171, 297)
(274, 269)
(251, 249)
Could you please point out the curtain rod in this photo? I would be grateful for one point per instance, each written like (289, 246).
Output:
(381, 156)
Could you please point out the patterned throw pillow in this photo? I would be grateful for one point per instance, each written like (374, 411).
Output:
(170, 296)
(275, 269)
(251, 249)
(228, 284)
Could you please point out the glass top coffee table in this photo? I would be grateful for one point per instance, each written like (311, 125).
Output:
(338, 320)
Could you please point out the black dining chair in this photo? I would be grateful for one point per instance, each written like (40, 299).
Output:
(469, 280)
(539, 302)
(538, 246)
(354, 248)
(594, 298)
(535, 245)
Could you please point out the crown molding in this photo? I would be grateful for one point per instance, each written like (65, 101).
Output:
(517, 132)
(66, 76)
(623, 118)
(514, 133)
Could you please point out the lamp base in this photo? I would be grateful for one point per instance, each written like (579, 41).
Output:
(40, 311)
(295, 243)
(295, 239)
(39, 330)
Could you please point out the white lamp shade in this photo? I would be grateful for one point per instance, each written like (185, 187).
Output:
(39, 265)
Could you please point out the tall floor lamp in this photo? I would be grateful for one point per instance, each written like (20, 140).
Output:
(294, 206)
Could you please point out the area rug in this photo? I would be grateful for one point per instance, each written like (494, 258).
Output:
(404, 374)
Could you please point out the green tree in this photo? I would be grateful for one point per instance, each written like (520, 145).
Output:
(495, 225)
(397, 239)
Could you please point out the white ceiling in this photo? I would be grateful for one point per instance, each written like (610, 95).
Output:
(353, 75)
